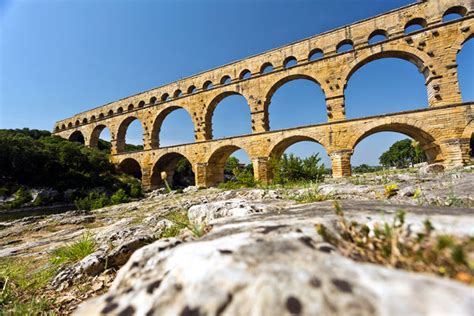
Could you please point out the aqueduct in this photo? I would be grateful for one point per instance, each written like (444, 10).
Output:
(443, 129)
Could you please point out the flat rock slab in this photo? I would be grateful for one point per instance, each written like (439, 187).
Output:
(275, 263)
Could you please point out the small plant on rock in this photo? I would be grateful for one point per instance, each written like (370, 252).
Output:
(74, 252)
(390, 190)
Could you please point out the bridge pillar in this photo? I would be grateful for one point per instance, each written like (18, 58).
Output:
(335, 108)
(261, 169)
(114, 148)
(200, 175)
(456, 152)
(341, 163)
(146, 179)
(443, 89)
(260, 121)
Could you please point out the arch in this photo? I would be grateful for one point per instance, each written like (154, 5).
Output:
(84, 121)
(168, 163)
(57, 129)
(465, 67)
(158, 123)
(101, 115)
(165, 97)
(192, 89)
(266, 68)
(95, 135)
(110, 113)
(290, 62)
(63, 127)
(277, 149)
(345, 46)
(122, 131)
(153, 100)
(411, 129)
(69, 124)
(93, 118)
(130, 107)
(454, 13)
(177, 93)
(315, 54)
(207, 85)
(225, 80)
(414, 25)
(141, 104)
(213, 105)
(77, 123)
(120, 110)
(77, 136)
(131, 167)
(245, 74)
(377, 36)
(216, 163)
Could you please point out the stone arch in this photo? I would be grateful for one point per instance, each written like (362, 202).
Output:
(216, 163)
(410, 128)
(158, 123)
(209, 111)
(166, 163)
(131, 167)
(77, 136)
(378, 32)
(277, 149)
(95, 135)
(122, 131)
(460, 10)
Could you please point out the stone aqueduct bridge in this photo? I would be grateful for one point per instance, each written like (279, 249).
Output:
(443, 129)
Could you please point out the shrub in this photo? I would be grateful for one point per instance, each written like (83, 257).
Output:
(290, 168)
(119, 197)
(74, 252)
(92, 201)
(390, 190)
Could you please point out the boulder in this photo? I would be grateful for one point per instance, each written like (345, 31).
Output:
(431, 168)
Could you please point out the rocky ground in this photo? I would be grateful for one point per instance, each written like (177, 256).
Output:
(250, 251)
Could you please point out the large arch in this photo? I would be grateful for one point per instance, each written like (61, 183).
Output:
(211, 110)
(160, 119)
(131, 167)
(77, 136)
(427, 141)
(216, 163)
(299, 99)
(167, 163)
(465, 67)
(95, 135)
(122, 131)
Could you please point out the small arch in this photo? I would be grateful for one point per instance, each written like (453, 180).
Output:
(101, 115)
(266, 68)
(225, 80)
(192, 89)
(77, 123)
(153, 100)
(173, 164)
(93, 118)
(63, 127)
(84, 121)
(69, 125)
(131, 167)
(96, 141)
(77, 136)
(414, 25)
(177, 93)
(122, 134)
(141, 104)
(120, 110)
(454, 13)
(207, 85)
(165, 97)
(345, 46)
(245, 74)
(130, 107)
(315, 54)
(377, 36)
(216, 163)
(56, 129)
(290, 62)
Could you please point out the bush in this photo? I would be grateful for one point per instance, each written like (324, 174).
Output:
(92, 201)
(119, 197)
(290, 168)
(22, 196)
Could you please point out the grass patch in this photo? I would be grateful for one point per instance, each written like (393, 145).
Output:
(181, 221)
(310, 196)
(395, 245)
(74, 252)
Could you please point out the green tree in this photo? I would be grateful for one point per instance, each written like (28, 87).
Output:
(402, 154)
(289, 168)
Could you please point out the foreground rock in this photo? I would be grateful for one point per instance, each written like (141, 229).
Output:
(276, 264)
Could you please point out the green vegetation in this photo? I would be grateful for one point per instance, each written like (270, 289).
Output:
(74, 252)
(394, 244)
(390, 190)
(310, 196)
(403, 154)
(364, 168)
(33, 158)
(180, 221)
(289, 168)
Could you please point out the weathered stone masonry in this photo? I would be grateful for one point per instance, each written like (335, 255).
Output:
(443, 129)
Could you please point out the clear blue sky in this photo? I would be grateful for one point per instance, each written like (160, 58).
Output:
(63, 57)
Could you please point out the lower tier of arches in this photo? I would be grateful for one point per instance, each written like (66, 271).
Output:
(443, 134)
